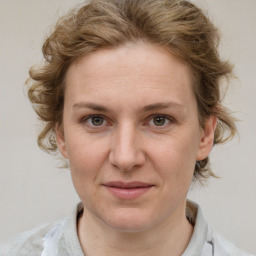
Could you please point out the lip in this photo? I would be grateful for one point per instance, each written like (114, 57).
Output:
(128, 190)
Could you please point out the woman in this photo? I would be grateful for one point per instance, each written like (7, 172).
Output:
(130, 96)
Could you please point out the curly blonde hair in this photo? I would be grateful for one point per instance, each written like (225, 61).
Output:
(177, 25)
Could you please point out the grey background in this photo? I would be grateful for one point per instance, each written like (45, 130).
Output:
(33, 190)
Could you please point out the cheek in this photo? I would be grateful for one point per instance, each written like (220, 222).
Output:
(86, 155)
(86, 159)
(175, 157)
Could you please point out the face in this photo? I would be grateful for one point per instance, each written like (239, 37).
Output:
(131, 133)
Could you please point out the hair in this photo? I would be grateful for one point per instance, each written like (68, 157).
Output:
(177, 25)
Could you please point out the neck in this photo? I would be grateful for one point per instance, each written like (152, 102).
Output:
(169, 238)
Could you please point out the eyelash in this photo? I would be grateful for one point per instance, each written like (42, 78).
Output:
(167, 118)
(87, 118)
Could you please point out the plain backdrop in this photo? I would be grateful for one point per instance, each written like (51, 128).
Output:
(33, 190)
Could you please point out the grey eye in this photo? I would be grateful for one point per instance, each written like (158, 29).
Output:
(96, 120)
(159, 120)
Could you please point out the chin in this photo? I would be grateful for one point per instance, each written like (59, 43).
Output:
(129, 220)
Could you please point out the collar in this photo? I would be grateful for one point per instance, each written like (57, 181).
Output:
(199, 236)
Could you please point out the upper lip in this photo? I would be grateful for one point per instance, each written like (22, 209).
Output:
(132, 184)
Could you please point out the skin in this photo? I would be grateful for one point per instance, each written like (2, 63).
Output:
(127, 88)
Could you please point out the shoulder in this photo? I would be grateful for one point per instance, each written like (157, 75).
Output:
(223, 247)
(205, 241)
(29, 243)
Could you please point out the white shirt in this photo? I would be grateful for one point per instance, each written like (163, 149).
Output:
(60, 239)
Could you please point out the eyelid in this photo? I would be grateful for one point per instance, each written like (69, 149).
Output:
(162, 115)
(86, 118)
(106, 119)
(169, 118)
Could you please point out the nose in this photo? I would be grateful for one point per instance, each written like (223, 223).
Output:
(126, 152)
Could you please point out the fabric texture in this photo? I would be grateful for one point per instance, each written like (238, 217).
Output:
(60, 239)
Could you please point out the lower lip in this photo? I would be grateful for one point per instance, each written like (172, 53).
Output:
(128, 193)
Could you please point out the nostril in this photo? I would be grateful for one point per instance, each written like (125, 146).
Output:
(125, 162)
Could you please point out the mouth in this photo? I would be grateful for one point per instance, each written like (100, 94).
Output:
(128, 190)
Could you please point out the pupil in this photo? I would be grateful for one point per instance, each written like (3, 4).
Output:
(158, 121)
(97, 121)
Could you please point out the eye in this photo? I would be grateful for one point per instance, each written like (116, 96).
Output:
(95, 121)
(159, 120)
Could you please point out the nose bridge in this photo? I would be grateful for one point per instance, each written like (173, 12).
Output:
(126, 152)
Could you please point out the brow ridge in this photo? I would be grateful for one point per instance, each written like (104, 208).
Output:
(147, 108)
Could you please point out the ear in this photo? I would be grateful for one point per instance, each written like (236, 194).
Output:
(207, 138)
(60, 139)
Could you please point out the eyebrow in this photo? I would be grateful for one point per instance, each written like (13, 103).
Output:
(147, 108)
(161, 105)
(91, 105)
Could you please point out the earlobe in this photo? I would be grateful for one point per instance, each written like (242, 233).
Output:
(207, 138)
(60, 139)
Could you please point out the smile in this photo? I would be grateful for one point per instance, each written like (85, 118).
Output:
(127, 190)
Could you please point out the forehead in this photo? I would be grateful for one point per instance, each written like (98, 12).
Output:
(144, 70)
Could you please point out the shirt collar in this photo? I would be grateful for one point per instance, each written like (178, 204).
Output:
(197, 241)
